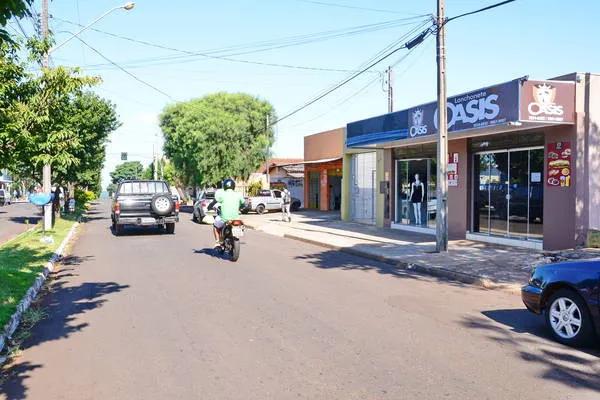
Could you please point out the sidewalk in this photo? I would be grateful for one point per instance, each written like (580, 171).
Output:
(482, 264)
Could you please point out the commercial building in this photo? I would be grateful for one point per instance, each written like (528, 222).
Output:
(523, 164)
(323, 169)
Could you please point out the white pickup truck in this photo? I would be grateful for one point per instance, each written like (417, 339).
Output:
(270, 200)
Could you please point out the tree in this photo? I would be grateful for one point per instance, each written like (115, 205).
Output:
(218, 136)
(93, 118)
(166, 171)
(9, 9)
(127, 170)
(12, 74)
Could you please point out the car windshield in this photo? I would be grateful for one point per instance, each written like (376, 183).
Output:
(143, 187)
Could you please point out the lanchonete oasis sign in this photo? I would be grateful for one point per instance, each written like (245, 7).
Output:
(517, 100)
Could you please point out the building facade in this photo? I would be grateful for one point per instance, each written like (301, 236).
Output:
(323, 167)
(521, 171)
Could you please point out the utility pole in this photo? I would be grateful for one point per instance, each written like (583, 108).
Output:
(268, 157)
(155, 164)
(441, 224)
(390, 90)
(46, 172)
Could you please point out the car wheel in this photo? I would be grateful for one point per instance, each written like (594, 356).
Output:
(171, 227)
(260, 209)
(162, 204)
(568, 318)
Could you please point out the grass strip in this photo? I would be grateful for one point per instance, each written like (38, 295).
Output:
(21, 261)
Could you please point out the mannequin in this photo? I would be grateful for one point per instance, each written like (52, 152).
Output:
(417, 191)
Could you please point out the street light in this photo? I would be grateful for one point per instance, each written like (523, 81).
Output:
(47, 172)
(126, 6)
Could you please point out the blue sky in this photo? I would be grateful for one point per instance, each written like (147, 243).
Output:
(538, 38)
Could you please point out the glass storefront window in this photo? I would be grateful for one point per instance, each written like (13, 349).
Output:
(509, 194)
(416, 192)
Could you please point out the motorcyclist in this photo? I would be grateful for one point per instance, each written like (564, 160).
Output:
(229, 202)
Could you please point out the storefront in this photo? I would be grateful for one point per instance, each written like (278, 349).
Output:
(513, 173)
(323, 170)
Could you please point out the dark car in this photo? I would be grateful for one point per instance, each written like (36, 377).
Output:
(144, 203)
(568, 294)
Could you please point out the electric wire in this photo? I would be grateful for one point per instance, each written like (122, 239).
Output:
(127, 72)
(351, 77)
(478, 11)
(211, 53)
(323, 3)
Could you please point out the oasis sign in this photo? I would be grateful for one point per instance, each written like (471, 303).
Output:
(548, 101)
(490, 106)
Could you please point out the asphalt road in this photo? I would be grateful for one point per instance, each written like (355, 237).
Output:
(151, 316)
(14, 218)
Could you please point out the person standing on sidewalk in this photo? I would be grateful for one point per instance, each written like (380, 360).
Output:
(286, 200)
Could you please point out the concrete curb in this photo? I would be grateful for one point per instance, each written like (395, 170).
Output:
(14, 320)
(424, 269)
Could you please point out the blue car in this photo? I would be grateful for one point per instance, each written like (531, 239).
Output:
(568, 295)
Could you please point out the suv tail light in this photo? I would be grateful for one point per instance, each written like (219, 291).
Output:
(116, 207)
(177, 206)
(203, 203)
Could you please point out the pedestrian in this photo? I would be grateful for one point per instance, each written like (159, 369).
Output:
(286, 201)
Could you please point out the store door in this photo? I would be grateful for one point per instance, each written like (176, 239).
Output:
(363, 173)
(508, 197)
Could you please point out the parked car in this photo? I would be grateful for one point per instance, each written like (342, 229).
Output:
(5, 197)
(200, 208)
(144, 203)
(568, 295)
(270, 200)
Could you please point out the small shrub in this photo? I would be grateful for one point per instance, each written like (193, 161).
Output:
(254, 188)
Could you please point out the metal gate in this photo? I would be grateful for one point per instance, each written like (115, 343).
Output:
(363, 174)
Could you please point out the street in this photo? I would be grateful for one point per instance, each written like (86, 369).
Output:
(16, 219)
(154, 316)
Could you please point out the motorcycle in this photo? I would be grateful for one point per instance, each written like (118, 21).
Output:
(231, 234)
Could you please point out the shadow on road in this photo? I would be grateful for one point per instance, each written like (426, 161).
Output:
(334, 259)
(213, 253)
(62, 303)
(140, 231)
(25, 220)
(573, 368)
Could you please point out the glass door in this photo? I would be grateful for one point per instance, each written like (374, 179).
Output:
(508, 196)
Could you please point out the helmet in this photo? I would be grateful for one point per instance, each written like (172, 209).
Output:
(229, 184)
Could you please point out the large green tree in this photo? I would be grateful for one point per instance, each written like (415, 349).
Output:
(93, 118)
(220, 135)
(127, 170)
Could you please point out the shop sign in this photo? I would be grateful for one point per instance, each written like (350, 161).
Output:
(485, 107)
(548, 101)
(453, 169)
(559, 164)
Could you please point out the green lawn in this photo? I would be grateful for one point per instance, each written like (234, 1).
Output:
(21, 260)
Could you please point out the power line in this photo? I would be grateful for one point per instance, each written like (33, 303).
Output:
(124, 70)
(209, 54)
(323, 3)
(353, 76)
(480, 10)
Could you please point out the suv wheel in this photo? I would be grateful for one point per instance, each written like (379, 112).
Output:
(260, 209)
(162, 204)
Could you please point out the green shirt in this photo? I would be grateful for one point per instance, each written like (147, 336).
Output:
(230, 203)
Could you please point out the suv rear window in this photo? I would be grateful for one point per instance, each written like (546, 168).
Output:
(143, 187)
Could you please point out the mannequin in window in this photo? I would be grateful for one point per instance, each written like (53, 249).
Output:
(417, 192)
